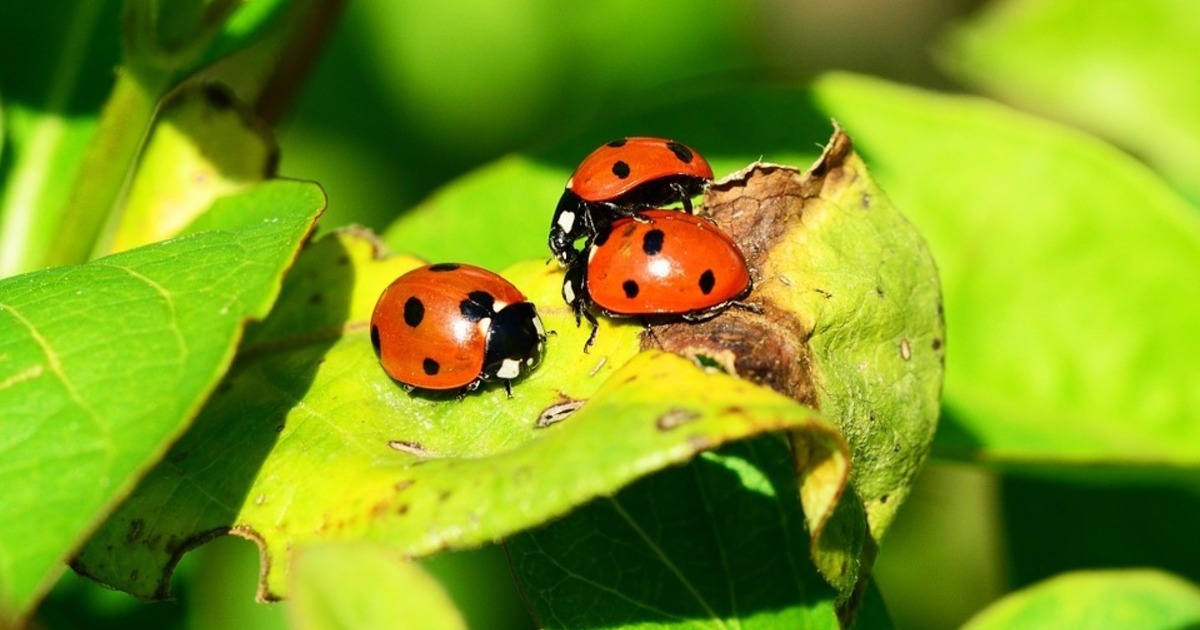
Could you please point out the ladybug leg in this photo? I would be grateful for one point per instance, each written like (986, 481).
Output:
(467, 389)
(508, 388)
(595, 328)
(681, 193)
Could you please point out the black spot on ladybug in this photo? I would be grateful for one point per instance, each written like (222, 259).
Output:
(620, 169)
(617, 144)
(444, 267)
(683, 153)
(631, 288)
(375, 339)
(430, 366)
(652, 242)
(707, 281)
(414, 311)
(478, 305)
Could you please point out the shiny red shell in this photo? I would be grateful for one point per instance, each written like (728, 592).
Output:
(669, 263)
(622, 165)
(420, 333)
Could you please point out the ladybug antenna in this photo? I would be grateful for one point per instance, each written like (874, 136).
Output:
(649, 330)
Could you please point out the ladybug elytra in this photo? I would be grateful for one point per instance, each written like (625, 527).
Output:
(661, 263)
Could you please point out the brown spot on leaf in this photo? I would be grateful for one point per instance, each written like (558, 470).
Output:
(767, 348)
(404, 484)
(675, 418)
(135, 530)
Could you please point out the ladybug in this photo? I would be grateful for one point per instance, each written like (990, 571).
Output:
(623, 178)
(661, 263)
(453, 326)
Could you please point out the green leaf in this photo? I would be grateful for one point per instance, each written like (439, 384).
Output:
(1098, 600)
(517, 192)
(49, 103)
(363, 585)
(717, 542)
(103, 365)
(308, 440)
(1072, 329)
(204, 145)
(1116, 68)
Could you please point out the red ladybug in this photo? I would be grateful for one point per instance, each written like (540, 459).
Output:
(452, 326)
(660, 263)
(622, 178)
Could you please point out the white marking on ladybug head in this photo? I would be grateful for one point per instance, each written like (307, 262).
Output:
(566, 220)
(569, 292)
(537, 325)
(509, 369)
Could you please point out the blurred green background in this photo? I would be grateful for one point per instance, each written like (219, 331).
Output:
(407, 96)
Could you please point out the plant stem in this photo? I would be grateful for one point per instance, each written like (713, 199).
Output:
(108, 163)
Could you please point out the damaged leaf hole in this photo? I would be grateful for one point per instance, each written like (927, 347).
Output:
(709, 363)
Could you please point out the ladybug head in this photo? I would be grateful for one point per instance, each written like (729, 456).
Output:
(515, 342)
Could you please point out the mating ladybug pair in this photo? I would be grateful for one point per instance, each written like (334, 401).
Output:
(454, 326)
(638, 260)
